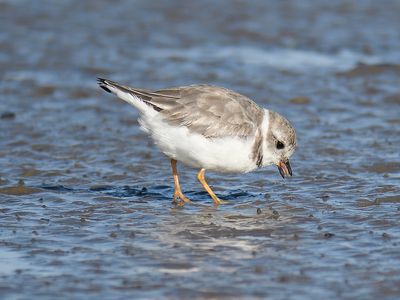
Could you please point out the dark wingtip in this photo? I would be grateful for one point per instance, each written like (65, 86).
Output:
(105, 88)
(103, 84)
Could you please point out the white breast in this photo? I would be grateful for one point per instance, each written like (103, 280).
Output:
(229, 154)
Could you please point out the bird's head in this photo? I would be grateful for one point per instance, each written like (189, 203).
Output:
(281, 142)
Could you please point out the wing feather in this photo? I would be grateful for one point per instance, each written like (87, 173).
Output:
(208, 110)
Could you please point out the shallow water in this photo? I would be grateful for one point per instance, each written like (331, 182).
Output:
(85, 198)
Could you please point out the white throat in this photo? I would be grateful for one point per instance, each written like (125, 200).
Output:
(267, 155)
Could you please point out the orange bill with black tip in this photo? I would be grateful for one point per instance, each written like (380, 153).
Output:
(285, 169)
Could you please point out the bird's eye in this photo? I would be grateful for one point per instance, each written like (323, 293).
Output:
(280, 145)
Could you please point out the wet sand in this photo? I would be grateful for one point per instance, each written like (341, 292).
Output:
(85, 198)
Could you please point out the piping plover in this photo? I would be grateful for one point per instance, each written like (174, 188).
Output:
(210, 128)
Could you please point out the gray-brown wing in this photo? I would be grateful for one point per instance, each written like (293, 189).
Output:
(209, 110)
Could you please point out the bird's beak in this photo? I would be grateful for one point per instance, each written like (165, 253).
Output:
(284, 168)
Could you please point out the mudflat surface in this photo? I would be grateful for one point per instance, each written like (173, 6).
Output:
(85, 198)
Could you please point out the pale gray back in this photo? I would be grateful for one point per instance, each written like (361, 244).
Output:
(208, 110)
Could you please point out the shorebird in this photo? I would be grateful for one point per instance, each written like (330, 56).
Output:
(210, 128)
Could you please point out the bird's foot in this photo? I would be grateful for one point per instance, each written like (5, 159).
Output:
(218, 201)
(180, 199)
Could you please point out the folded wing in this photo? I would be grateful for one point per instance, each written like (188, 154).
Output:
(208, 110)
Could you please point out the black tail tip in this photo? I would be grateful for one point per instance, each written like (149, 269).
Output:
(103, 84)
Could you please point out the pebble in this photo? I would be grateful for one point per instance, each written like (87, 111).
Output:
(7, 115)
(328, 235)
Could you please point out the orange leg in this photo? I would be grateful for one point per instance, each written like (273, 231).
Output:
(178, 192)
(201, 178)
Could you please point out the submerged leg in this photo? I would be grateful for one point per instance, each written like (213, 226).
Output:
(178, 192)
(201, 178)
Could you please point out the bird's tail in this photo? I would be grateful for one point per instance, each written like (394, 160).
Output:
(137, 97)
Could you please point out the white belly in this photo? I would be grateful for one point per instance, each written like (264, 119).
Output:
(230, 154)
